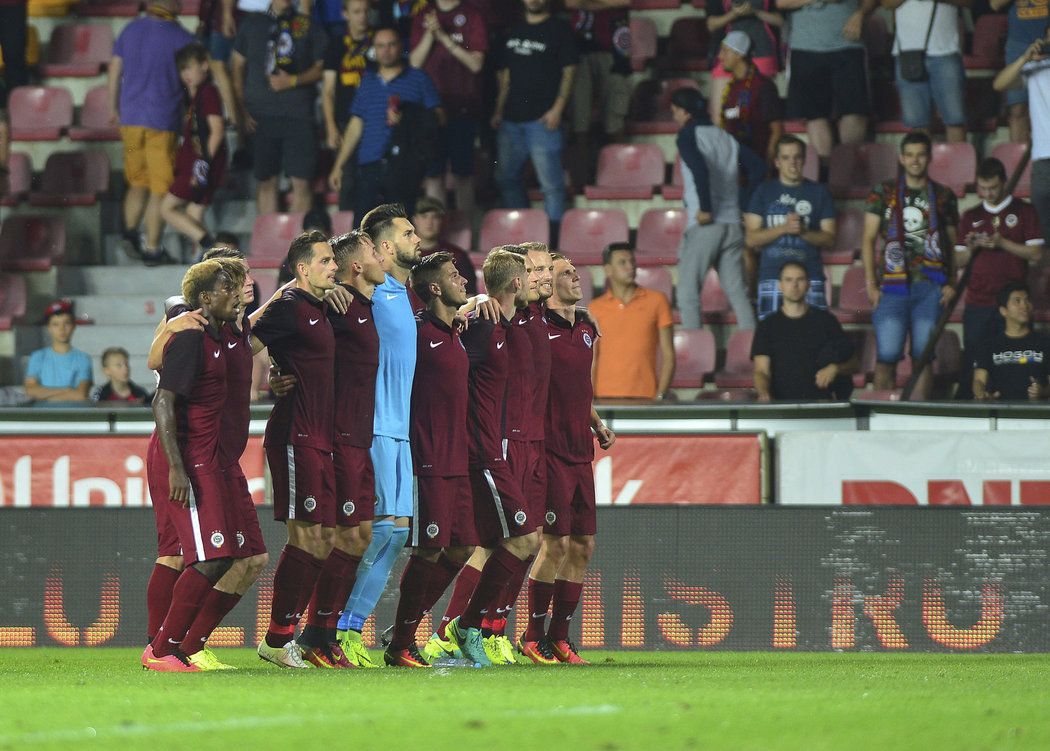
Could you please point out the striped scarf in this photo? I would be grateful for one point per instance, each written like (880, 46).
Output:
(895, 256)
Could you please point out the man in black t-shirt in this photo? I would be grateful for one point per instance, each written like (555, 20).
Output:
(536, 66)
(800, 352)
(1013, 365)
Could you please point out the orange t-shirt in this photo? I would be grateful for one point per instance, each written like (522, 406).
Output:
(626, 358)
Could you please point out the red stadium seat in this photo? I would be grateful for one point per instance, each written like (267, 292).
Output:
(586, 284)
(855, 168)
(694, 355)
(849, 230)
(738, 372)
(12, 299)
(19, 179)
(713, 301)
(983, 105)
(676, 189)
(656, 278)
(949, 356)
(72, 178)
(954, 165)
(650, 110)
(643, 42)
(40, 113)
(78, 49)
(659, 234)
(989, 42)
(271, 236)
(1010, 155)
(94, 118)
(458, 230)
(811, 167)
(32, 243)
(585, 233)
(342, 222)
(513, 226)
(687, 45)
(853, 306)
(627, 171)
(868, 356)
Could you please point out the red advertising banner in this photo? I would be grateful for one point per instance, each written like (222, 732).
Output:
(86, 471)
(717, 468)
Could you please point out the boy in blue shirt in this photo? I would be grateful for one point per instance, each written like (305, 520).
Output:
(59, 373)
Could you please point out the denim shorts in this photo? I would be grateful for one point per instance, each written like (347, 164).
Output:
(944, 87)
(219, 47)
(897, 315)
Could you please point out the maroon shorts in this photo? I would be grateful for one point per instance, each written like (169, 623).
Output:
(355, 485)
(570, 499)
(500, 510)
(207, 528)
(183, 186)
(526, 461)
(303, 484)
(157, 479)
(444, 513)
(249, 534)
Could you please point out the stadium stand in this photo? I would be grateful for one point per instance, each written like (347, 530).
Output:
(659, 234)
(643, 43)
(657, 278)
(853, 305)
(695, 355)
(854, 169)
(849, 229)
(686, 46)
(627, 172)
(586, 232)
(512, 226)
(737, 372)
(32, 243)
(78, 50)
(19, 179)
(75, 178)
(93, 122)
(954, 165)
(40, 113)
(12, 299)
(271, 236)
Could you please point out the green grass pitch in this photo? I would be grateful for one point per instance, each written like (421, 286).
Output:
(101, 699)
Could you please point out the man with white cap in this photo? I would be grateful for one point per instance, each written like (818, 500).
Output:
(750, 108)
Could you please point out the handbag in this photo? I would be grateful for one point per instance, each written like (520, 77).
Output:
(912, 63)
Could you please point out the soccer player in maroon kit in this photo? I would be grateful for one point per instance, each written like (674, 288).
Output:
(444, 515)
(356, 361)
(570, 521)
(185, 477)
(299, 440)
(500, 508)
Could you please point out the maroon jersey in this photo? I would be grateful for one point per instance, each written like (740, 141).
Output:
(541, 364)
(459, 89)
(1015, 220)
(569, 434)
(438, 432)
(356, 363)
(194, 369)
(521, 380)
(236, 412)
(296, 330)
(486, 345)
(195, 129)
(415, 302)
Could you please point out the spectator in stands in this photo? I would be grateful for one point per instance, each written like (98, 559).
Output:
(393, 126)
(200, 165)
(59, 373)
(119, 387)
(429, 220)
(400, 15)
(759, 22)
(828, 76)
(318, 219)
(449, 43)
(277, 60)
(603, 40)
(750, 104)
(789, 218)
(713, 235)
(15, 72)
(1006, 230)
(941, 78)
(536, 66)
(145, 97)
(1013, 363)
(800, 352)
(217, 27)
(345, 61)
(328, 14)
(635, 323)
(1026, 22)
(917, 219)
(1033, 70)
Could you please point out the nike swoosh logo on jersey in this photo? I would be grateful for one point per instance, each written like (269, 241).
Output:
(231, 345)
(979, 221)
(553, 336)
(217, 353)
(499, 345)
(391, 297)
(362, 320)
(313, 321)
(434, 345)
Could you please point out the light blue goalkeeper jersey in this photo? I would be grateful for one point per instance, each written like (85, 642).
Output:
(396, 324)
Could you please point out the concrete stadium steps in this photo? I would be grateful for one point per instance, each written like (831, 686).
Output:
(121, 310)
(125, 281)
(135, 338)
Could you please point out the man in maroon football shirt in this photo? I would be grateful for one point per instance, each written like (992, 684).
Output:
(299, 438)
(184, 461)
(356, 362)
(570, 518)
(500, 508)
(444, 514)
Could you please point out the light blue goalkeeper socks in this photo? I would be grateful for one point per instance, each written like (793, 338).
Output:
(373, 573)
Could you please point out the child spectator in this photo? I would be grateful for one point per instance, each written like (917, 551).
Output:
(59, 373)
(119, 387)
(201, 161)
